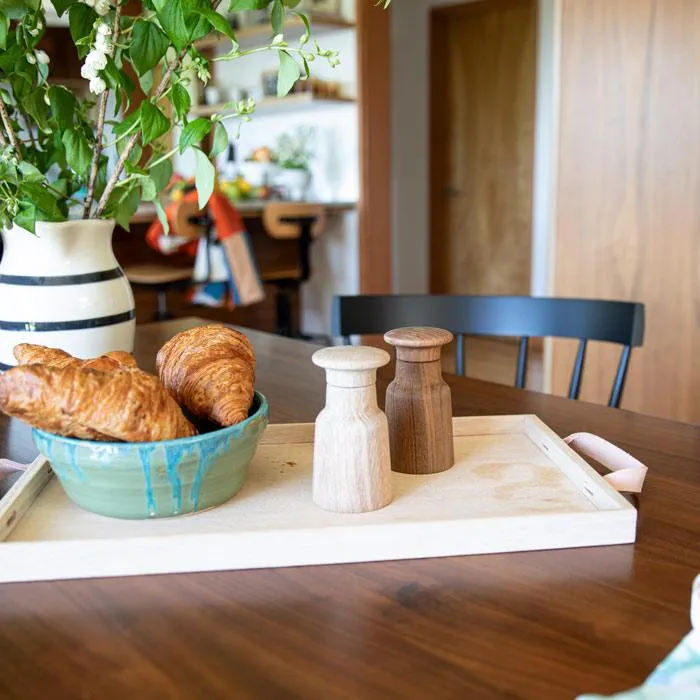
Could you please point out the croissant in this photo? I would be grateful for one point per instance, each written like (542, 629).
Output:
(210, 370)
(86, 403)
(29, 354)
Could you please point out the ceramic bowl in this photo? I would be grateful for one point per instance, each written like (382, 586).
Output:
(141, 480)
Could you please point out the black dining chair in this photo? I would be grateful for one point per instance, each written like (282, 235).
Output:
(502, 316)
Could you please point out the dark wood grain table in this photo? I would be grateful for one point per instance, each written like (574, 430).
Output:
(542, 625)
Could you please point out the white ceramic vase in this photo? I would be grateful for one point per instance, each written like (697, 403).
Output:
(63, 288)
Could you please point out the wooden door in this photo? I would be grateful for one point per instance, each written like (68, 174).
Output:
(483, 68)
(629, 191)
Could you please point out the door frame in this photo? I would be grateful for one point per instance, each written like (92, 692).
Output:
(374, 114)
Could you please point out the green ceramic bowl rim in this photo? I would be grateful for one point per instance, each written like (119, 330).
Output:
(262, 409)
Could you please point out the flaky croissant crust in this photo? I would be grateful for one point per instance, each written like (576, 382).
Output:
(211, 371)
(87, 403)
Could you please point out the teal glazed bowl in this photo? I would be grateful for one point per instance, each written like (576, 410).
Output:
(140, 480)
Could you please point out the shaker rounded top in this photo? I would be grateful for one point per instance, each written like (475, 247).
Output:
(418, 343)
(418, 337)
(351, 358)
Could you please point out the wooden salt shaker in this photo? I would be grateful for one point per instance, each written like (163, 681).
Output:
(352, 467)
(419, 403)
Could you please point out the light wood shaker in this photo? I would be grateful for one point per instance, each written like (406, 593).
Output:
(351, 465)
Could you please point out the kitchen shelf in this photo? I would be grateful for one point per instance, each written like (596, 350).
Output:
(293, 29)
(302, 101)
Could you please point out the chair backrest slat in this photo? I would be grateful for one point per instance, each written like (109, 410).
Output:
(577, 374)
(460, 364)
(617, 322)
(521, 370)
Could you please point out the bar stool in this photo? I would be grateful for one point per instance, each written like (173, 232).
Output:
(162, 279)
(284, 221)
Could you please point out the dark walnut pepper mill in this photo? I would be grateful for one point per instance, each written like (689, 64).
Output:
(419, 403)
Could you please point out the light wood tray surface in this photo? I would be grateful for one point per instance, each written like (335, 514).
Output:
(516, 486)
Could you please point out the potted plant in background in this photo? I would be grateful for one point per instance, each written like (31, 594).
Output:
(69, 168)
(294, 156)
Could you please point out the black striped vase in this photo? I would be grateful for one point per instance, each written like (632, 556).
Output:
(63, 288)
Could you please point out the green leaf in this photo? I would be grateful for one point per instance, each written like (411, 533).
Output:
(26, 217)
(277, 17)
(146, 82)
(118, 81)
(30, 172)
(148, 189)
(81, 19)
(4, 26)
(218, 22)
(33, 104)
(194, 132)
(63, 106)
(237, 5)
(205, 175)
(220, 140)
(125, 125)
(159, 4)
(172, 19)
(41, 198)
(162, 216)
(148, 46)
(161, 174)
(181, 100)
(307, 25)
(78, 151)
(127, 207)
(62, 5)
(288, 74)
(153, 122)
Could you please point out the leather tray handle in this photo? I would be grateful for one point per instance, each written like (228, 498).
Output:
(7, 466)
(627, 473)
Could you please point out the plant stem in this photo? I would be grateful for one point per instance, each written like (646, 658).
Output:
(28, 127)
(97, 152)
(3, 140)
(119, 167)
(163, 158)
(10, 131)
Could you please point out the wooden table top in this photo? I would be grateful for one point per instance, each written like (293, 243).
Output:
(542, 625)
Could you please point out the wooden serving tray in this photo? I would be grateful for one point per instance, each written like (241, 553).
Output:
(516, 486)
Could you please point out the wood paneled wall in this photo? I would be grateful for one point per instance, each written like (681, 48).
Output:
(629, 191)
(482, 138)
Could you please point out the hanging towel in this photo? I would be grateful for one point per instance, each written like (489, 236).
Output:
(225, 271)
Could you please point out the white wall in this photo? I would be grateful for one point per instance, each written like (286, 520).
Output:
(410, 144)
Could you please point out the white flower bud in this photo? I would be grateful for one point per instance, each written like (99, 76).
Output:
(31, 58)
(103, 43)
(34, 32)
(88, 72)
(39, 25)
(46, 99)
(102, 7)
(96, 59)
(42, 57)
(97, 86)
(103, 28)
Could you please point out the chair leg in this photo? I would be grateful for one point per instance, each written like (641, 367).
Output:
(162, 313)
(284, 313)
